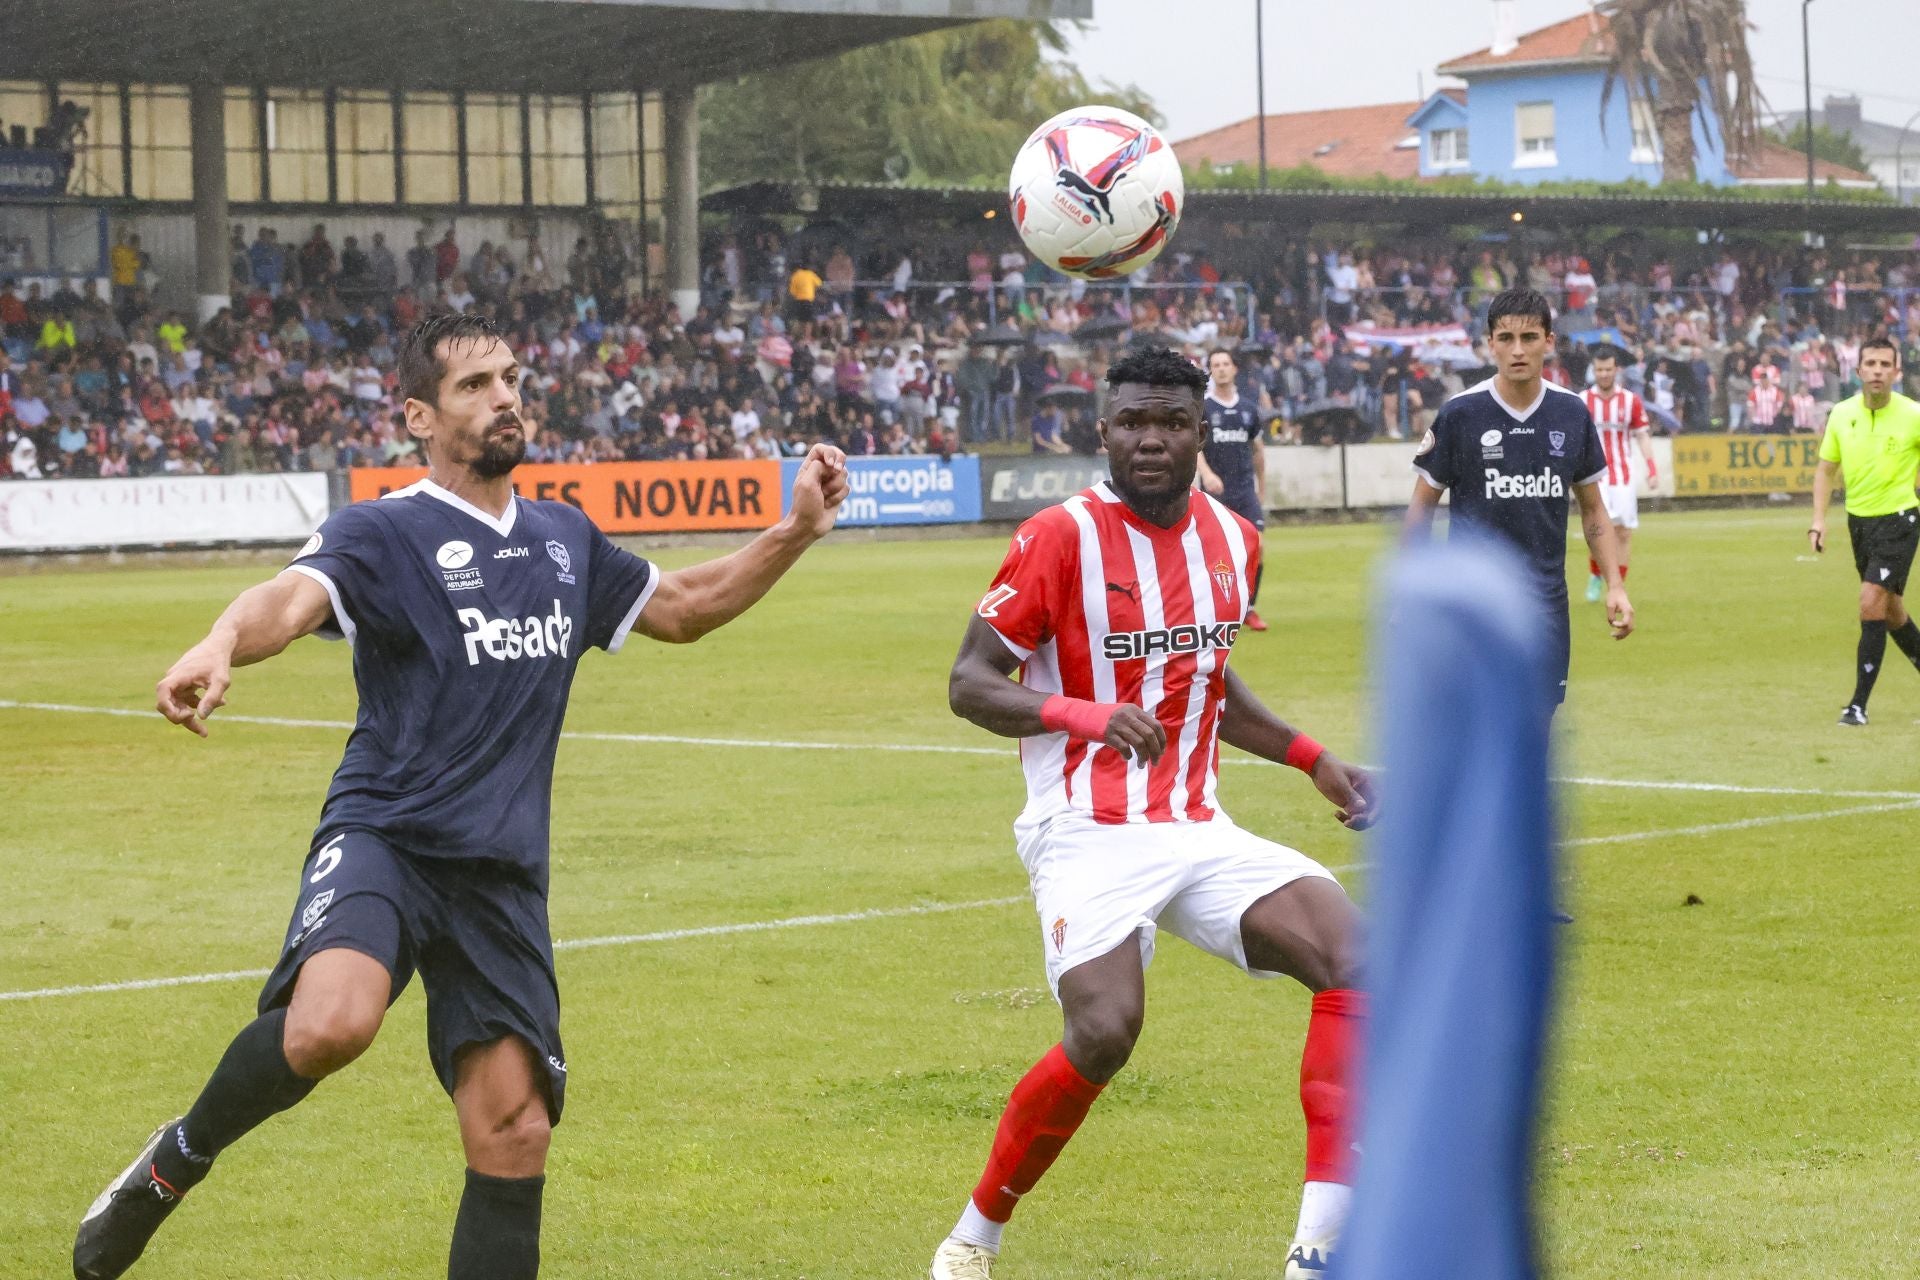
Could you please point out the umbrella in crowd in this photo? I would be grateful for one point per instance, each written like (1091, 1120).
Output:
(1000, 335)
(1329, 418)
(1102, 328)
(1065, 393)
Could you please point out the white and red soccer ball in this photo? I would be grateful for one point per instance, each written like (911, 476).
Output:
(1096, 192)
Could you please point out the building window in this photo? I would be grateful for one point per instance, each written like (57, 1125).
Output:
(363, 146)
(97, 165)
(1646, 137)
(23, 108)
(297, 146)
(653, 184)
(161, 142)
(1533, 136)
(616, 155)
(557, 146)
(1448, 149)
(243, 147)
(493, 149)
(431, 148)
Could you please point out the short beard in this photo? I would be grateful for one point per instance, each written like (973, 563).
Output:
(500, 454)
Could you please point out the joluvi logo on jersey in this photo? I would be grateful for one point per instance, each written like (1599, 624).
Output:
(510, 639)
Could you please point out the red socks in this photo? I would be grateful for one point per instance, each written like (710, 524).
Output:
(1046, 1107)
(1329, 1083)
(1594, 566)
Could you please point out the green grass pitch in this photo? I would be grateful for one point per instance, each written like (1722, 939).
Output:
(1732, 1083)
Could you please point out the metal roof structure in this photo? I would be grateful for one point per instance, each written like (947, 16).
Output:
(530, 46)
(1833, 217)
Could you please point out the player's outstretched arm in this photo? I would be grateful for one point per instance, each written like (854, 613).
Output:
(1418, 524)
(259, 623)
(690, 602)
(1597, 525)
(1247, 723)
(980, 689)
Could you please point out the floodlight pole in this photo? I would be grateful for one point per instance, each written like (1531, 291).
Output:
(1806, 76)
(1260, 82)
(1899, 145)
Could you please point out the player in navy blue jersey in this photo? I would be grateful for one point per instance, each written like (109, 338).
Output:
(468, 609)
(1512, 451)
(1233, 462)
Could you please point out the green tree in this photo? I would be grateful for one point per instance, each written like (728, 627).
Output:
(949, 107)
(1835, 148)
(1685, 58)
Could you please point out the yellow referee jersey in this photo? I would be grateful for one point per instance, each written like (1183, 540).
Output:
(1878, 453)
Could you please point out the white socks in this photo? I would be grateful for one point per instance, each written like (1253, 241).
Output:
(976, 1227)
(1323, 1210)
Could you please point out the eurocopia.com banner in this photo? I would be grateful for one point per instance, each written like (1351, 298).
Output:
(910, 490)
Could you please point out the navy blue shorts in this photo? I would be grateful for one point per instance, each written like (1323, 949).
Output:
(1244, 501)
(1559, 650)
(475, 931)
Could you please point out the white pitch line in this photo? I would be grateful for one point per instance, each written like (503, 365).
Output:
(928, 748)
(927, 909)
(1746, 823)
(574, 944)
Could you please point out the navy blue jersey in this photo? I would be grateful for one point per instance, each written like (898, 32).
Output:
(1512, 474)
(465, 631)
(1231, 431)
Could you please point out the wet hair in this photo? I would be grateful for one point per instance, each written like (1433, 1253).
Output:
(1882, 341)
(421, 364)
(1222, 351)
(1526, 304)
(1156, 367)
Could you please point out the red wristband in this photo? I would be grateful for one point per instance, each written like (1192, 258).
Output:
(1077, 717)
(1303, 753)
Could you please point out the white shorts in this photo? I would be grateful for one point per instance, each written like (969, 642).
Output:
(1622, 503)
(1097, 885)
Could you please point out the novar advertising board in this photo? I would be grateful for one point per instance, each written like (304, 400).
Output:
(46, 515)
(1015, 488)
(892, 491)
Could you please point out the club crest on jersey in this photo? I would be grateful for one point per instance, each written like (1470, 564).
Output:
(1558, 439)
(558, 551)
(1059, 932)
(1223, 578)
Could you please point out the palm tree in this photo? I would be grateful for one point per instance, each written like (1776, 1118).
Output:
(1682, 58)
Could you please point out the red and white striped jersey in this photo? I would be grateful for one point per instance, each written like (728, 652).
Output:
(1766, 400)
(1808, 414)
(1099, 604)
(1617, 416)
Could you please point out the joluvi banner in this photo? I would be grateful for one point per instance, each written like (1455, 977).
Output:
(1710, 466)
(631, 497)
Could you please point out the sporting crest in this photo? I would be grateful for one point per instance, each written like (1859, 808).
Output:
(1059, 932)
(1223, 578)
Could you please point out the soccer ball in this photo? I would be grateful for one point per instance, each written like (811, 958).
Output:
(1096, 192)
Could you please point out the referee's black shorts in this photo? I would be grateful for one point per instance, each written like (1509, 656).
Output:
(1883, 548)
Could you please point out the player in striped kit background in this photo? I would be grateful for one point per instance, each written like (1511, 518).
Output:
(1117, 609)
(1621, 417)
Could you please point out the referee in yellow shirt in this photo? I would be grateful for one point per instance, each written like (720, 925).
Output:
(1873, 442)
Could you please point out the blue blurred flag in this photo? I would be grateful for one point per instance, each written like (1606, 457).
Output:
(1460, 952)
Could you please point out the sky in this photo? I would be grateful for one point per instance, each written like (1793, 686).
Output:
(1322, 53)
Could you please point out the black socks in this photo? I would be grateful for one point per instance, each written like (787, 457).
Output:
(1908, 638)
(1873, 651)
(497, 1235)
(252, 1083)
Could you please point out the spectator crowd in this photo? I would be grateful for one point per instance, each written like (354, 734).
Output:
(937, 346)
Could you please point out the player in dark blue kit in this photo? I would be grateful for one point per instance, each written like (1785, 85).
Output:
(468, 609)
(1233, 462)
(1512, 451)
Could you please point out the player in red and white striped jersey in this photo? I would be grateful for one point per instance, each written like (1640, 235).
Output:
(1621, 417)
(1117, 609)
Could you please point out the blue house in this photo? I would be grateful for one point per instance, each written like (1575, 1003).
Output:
(1531, 113)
